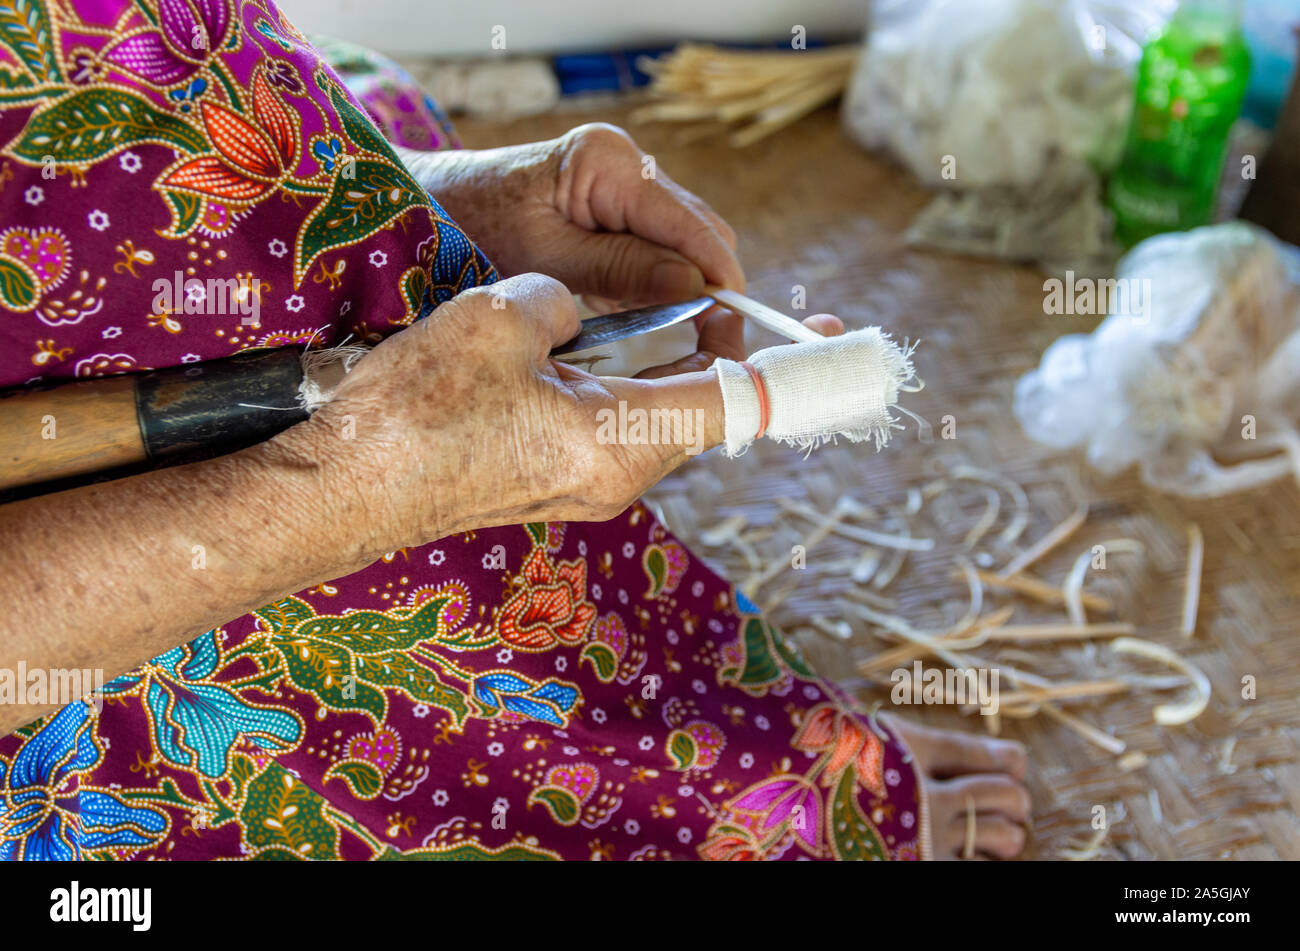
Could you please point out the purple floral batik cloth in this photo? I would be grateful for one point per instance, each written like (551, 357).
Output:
(547, 691)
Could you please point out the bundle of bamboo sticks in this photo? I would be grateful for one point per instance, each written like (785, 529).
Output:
(747, 93)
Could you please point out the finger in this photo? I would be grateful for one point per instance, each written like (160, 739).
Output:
(684, 416)
(993, 793)
(722, 335)
(658, 212)
(691, 363)
(621, 267)
(828, 325)
(539, 313)
(661, 214)
(700, 205)
(602, 305)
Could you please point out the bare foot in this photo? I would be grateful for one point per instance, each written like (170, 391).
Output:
(962, 771)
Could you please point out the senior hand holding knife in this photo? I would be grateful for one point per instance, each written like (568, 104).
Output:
(462, 420)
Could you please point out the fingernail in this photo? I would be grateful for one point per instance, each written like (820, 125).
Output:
(676, 280)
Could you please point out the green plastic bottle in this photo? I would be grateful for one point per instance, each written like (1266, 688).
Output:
(1190, 85)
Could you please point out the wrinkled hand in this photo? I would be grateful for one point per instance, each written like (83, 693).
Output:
(589, 209)
(462, 421)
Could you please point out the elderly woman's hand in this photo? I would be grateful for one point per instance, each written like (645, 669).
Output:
(462, 421)
(589, 209)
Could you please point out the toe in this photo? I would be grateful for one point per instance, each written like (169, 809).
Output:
(958, 754)
(993, 793)
(994, 836)
(999, 837)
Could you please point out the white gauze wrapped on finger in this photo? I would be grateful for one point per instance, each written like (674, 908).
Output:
(817, 390)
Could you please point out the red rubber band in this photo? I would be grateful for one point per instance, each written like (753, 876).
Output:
(763, 408)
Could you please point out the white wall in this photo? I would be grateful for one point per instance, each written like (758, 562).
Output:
(551, 26)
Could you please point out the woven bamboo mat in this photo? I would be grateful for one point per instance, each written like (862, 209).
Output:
(811, 209)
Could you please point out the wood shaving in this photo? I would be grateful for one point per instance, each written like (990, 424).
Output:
(724, 532)
(776, 600)
(904, 653)
(1059, 632)
(873, 599)
(887, 547)
(1020, 521)
(1045, 544)
(992, 506)
(1131, 761)
(1170, 714)
(825, 526)
(1192, 586)
(903, 628)
(1073, 584)
(855, 509)
(1089, 688)
(1039, 590)
(933, 488)
(1086, 730)
(896, 561)
(840, 630)
(864, 569)
(1085, 688)
(749, 553)
(1225, 757)
(914, 501)
(905, 542)
(1089, 850)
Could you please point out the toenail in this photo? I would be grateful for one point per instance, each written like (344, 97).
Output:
(1013, 752)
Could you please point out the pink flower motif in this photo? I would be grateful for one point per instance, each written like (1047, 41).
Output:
(790, 802)
(379, 748)
(187, 34)
(579, 779)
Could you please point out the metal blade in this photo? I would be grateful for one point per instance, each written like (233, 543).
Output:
(607, 328)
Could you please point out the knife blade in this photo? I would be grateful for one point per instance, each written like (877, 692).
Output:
(608, 328)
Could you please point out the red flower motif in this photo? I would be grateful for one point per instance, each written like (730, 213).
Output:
(849, 740)
(250, 159)
(729, 847)
(551, 608)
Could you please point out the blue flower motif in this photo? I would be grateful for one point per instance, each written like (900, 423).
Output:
(189, 94)
(269, 32)
(550, 702)
(327, 153)
(43, 813)
(195, 721)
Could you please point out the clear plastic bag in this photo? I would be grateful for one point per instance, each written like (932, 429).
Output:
(1196, 378)
(1003, 87)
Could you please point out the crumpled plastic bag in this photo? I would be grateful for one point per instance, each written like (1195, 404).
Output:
(1004, 87)
(1194, 375)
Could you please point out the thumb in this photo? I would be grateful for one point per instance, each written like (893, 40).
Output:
(663, 422)
(623, 267)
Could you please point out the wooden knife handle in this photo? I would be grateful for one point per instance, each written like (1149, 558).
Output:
(69, 430)
(205, 408)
